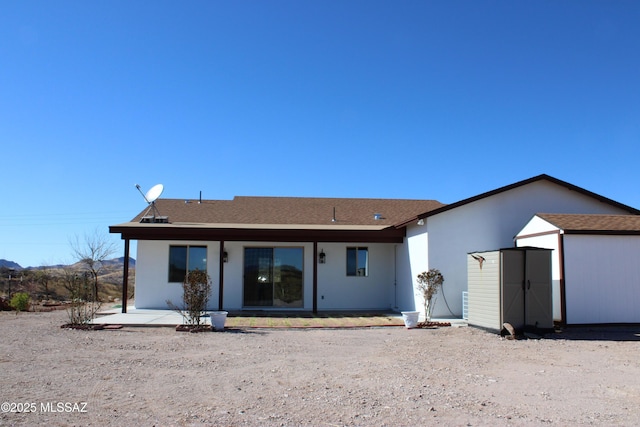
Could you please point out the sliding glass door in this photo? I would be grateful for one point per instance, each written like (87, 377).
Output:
(258, 277)
(273, 277)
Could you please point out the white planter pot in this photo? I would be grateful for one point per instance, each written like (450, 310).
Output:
(218, 319)
(410, 318)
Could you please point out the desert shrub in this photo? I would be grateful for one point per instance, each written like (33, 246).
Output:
(79, 311)
(20, 301)
(428, 284)
(82, 312)
(196, 288)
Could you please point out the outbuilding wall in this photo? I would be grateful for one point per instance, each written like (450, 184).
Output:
(602, 279)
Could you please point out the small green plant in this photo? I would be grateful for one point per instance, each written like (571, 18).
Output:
(428, 284)
(196, 288)
(20, 301)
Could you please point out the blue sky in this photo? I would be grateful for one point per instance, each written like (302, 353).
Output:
(394, 99)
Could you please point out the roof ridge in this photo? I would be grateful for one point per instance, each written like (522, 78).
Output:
(541, 177)
(335, 198)
(585, 214)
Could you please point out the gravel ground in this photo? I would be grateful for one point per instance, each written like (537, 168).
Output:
(386, 376)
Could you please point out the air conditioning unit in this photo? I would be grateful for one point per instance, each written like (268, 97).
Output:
(465, 305)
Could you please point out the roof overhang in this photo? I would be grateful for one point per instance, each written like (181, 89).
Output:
(603, 232)
(260, 232)
(543, 177)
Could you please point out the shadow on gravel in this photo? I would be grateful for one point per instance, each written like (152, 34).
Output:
(597, 333)
(242, 331)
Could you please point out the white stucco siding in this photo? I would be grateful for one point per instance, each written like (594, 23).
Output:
(232, 290)
(537, 225)
(337, 291)
(602, 279)
(492, 223)
(548, 241)
(152, 286)
(415, 260)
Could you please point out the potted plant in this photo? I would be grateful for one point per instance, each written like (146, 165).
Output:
(410, 318)
(218, 319)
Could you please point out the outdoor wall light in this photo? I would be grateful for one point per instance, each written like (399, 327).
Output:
(322, 257)
(225, 256)
(421, 221)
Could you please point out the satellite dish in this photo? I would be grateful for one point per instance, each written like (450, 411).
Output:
(153, 194)
(150, 197)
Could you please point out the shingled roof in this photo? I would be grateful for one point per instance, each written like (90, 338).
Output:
(292, 211)
(594, 223)
(286, 219)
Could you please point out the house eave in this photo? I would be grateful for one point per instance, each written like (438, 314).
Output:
(260, 232)
(604, 232)
(543, 177)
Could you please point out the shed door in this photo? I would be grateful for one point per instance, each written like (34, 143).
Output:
(512, 288)
(539, 306)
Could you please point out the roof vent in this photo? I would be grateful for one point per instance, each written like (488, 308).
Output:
(377, 216)
(149, 219)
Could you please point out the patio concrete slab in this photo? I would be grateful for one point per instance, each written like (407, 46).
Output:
(149, 317)
(140, 317)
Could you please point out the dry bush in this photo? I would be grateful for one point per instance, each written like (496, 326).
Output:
(80, 310)
(428, 284)
(196, 288)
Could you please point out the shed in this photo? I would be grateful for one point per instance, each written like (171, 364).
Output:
(510, 285)
(596, 273)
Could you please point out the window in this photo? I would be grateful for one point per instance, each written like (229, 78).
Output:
(186, 258)
(357, 261)
(273, 277)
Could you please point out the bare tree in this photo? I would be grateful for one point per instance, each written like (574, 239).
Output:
(92, 250)
(76, 283)
(44, 278)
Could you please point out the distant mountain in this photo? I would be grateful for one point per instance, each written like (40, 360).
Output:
(116, 262)
(110, 263)
(120, 261)
(9, 264)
